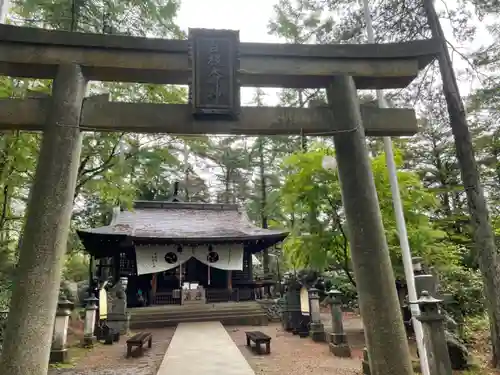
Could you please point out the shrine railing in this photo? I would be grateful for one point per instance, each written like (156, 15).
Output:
(212, 295)
(166, 298)
(222, 295)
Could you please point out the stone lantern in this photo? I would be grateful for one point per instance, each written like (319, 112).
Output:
(59, 350)
(434, 335)
(89, 338)
(417, 265)
(338, 339)
(317, 330)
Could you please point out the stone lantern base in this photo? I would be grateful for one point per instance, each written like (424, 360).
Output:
(339, 346)
(89, 341)
(119, 322)
(317, 332)
(341, 350)
(59, 356)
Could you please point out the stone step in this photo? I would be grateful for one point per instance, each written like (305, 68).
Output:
(193, 314)
(227, 319)
(202, 307)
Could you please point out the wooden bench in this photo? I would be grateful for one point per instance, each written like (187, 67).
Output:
(259, 338)
(138, 341)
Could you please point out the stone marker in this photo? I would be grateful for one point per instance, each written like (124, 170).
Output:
(316, 330)
(338, 339)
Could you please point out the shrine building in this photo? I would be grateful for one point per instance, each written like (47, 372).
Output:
(179, 253)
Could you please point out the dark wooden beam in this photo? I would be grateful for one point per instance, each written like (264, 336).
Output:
(30, 52)
(100, 115)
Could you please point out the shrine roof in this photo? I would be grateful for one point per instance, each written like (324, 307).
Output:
(184, 222)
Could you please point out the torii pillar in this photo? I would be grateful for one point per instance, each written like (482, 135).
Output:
(45, 235)
(384, 331)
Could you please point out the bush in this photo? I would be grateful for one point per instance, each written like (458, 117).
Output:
(76, 267)
(466, 287)
(342, 283)
(5, 291)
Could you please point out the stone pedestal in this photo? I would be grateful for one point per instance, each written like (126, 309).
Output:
(89, 341)
(342, 350)
(316, 330)
(119, 322)
(59, 356)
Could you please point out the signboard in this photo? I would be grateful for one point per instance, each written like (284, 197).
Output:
(214, 91)
(304, 301)
(103, 304)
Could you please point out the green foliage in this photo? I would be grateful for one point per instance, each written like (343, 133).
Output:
(76, 268)
(318, 236)
(466, 287)
(5, 292)
(339, 281)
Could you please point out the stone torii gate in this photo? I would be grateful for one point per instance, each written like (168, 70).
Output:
(215, 65)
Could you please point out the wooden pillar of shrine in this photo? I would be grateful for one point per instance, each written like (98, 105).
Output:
(154, 286)
(384, 330)
(35, 294)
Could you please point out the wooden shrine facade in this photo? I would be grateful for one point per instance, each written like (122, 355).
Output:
(168, 249)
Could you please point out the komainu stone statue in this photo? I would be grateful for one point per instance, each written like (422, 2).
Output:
(118, 318)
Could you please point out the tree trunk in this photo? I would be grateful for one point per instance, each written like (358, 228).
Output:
(263, 200)
(28, 336)
(484, 239)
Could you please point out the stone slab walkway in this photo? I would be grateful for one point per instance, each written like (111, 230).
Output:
(203, 348)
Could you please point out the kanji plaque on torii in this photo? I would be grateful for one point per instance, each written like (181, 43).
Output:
(214, 90)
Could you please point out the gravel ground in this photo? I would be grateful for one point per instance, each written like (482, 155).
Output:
(110, 359)
(291, 355)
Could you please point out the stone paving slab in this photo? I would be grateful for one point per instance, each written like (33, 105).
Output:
(115, 371)
(203, 348)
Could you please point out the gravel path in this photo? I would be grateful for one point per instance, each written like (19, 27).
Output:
(291, 355)
(110, 359)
